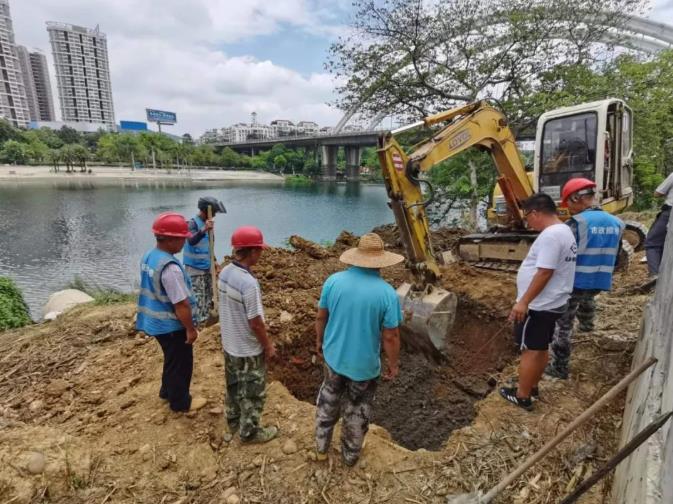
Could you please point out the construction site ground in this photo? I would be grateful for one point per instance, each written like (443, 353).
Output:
(81, 420)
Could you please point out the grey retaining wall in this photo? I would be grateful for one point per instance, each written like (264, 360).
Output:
(646, 477)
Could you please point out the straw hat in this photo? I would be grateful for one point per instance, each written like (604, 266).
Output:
(370, 254)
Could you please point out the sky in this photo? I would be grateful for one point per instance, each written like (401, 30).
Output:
(213, 62)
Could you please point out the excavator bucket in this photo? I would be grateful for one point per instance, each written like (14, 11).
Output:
(429, 313)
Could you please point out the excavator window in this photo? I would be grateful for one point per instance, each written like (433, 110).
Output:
(568, 148)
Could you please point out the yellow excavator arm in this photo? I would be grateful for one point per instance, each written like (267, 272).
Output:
(477, 125)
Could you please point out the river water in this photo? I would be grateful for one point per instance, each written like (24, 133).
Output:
(49, 235)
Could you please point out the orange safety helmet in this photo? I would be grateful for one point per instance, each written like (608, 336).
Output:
(171, 224)
(248, 237)
(576, 185)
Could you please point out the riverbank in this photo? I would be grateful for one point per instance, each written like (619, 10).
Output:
(81, 420)
(114, 175)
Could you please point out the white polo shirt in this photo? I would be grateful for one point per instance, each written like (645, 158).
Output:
(240, 302)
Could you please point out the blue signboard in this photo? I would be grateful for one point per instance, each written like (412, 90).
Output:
(161, 116)
(132, 126)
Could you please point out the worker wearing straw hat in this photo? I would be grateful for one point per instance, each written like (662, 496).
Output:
(358, 313)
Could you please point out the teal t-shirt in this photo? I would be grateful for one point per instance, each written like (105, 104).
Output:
(360, 304)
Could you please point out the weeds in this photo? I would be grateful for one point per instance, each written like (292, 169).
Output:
(101, 295)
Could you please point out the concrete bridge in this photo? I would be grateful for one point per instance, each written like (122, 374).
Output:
(325, 147)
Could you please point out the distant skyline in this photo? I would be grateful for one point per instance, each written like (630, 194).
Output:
(215, 62)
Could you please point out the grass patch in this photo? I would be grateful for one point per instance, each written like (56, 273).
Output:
(102, 295)
(299, 181)
(13, 308)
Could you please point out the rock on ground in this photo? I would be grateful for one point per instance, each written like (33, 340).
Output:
(63, 300)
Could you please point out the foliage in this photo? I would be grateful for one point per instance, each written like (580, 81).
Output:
(646, 86)
(299, 181)
(411, 57)
(13, 308)
(14, 152)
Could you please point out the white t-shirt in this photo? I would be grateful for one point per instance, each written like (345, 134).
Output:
(554, 248)
(666, 188)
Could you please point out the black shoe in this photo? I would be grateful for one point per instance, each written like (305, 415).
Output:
(535, 394)
(509, 394)
(554, 372)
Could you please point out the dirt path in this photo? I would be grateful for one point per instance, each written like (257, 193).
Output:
(80, 396)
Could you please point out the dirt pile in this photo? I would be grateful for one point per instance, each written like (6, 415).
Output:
(80, 420)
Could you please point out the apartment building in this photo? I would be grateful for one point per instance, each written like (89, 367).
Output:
(13, 102)
(82, 73)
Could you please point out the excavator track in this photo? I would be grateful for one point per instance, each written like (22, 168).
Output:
(501, 251)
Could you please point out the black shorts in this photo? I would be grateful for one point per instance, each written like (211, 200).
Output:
(537, 329)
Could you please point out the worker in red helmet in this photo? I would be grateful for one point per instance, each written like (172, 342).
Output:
(165, 310)
(245, 341)
(599, 236)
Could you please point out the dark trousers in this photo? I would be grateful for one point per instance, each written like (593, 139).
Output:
(177, 373)
(654, 243)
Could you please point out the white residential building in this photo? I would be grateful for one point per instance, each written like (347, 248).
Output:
(37, 83)
(13, 101)
(307, 128)
(82, 73)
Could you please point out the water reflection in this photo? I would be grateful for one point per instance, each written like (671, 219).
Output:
(49, 235)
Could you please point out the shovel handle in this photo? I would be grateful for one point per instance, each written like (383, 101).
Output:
(537, 456)
(213, 271)
(629, 448)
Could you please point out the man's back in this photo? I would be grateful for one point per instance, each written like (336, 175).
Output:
(360, 304)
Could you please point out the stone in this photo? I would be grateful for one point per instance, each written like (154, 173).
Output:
(215, 411)
(233, 499)
(145, 451)
(258, 461)
(36, 405)
(286, 317)
(127, 404)
(35, 462)
(57, 388)
(228, 492)
(63, 300)
(290, 447)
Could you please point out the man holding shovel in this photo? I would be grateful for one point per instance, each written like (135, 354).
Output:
(198, 256)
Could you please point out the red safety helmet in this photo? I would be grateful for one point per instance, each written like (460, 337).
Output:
(248, 237)
(171, 224)
(576, 185)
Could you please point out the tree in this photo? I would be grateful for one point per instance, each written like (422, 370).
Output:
(37, 151)
(8, 132)
(80, 155)
(69, 135)
(312, 168)
(280, 162)
(229, 158)
(68, 155)
(204, 155)
(14, 152)
(54, 158)
(412, 57)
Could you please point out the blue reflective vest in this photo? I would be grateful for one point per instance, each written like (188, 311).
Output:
(598, 236)
(156, 314)
(198, 256)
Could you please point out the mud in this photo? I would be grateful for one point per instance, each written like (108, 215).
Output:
(82, 392)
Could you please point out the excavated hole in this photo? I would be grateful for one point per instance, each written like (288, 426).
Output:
(428, 400)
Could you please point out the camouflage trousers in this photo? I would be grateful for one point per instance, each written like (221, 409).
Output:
(353, 402)
(202, 286)
(582, 305)
(246, 383)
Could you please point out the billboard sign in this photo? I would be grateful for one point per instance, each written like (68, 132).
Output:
(161, 116)
(132, 126)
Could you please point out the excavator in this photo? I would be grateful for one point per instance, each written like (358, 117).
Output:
(592, 140)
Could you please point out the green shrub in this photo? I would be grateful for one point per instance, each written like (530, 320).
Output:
(299, 181)
(13, 308)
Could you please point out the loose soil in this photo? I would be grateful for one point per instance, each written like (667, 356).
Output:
(80, 395)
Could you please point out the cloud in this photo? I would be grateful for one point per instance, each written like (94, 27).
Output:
(169, 54)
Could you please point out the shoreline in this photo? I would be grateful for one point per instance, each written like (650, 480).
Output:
(17, 175)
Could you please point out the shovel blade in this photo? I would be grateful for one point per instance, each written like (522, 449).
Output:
(429, 313)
